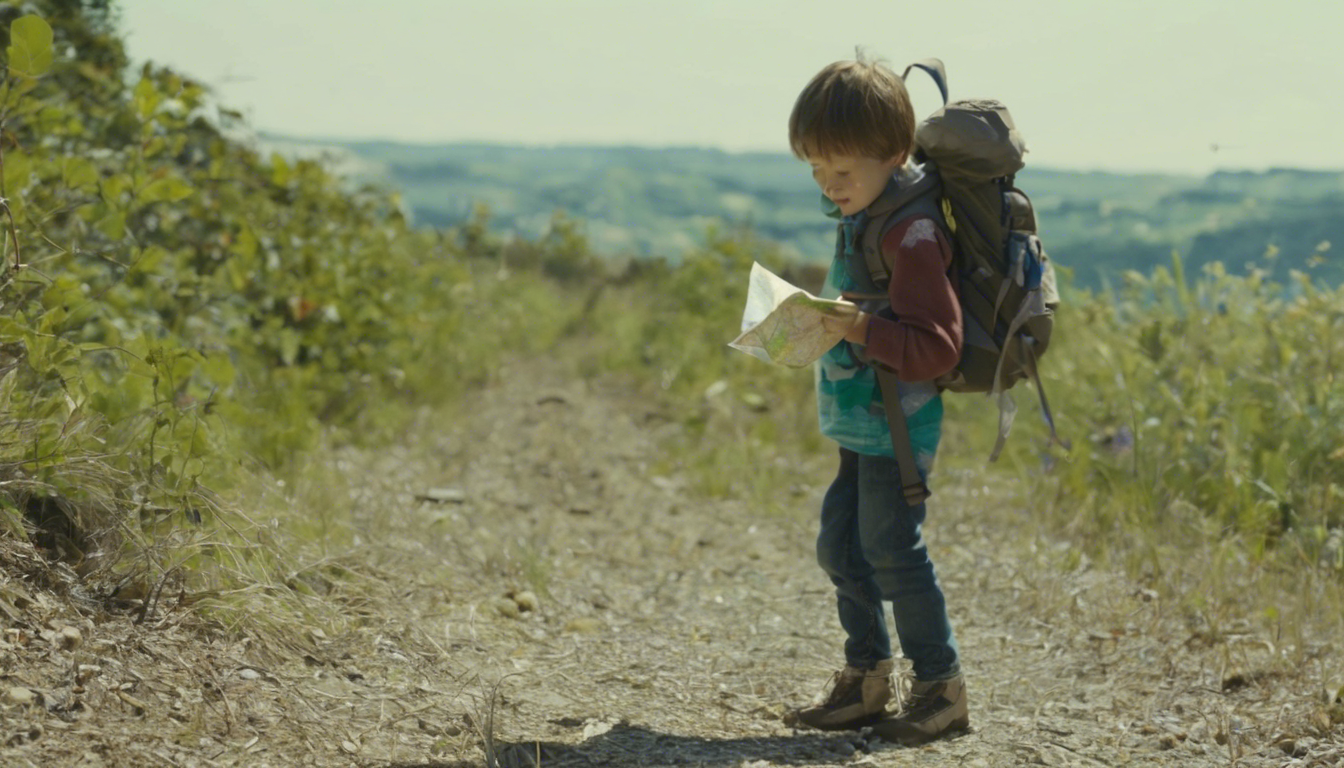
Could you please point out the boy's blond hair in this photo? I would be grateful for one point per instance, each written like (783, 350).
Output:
(858, 108)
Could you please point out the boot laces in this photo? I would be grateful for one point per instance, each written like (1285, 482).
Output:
(905, 693)
(918, 703)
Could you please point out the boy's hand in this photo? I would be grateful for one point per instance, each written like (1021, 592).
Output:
(858, 332)
(855, 326)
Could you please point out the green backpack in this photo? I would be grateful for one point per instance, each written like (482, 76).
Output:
(1004, 278)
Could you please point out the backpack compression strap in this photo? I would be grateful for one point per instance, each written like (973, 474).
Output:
(912, 485)
(1029, 362)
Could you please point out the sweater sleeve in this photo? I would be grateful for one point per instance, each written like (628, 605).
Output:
(924, 340)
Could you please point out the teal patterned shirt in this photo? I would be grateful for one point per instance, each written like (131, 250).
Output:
(849, 399)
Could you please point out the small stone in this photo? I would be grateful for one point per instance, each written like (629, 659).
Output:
(69, 639)
(526, 601)
(247, 673)
(20, 697)
(507, 608)
(844, 748)
(1235, 680)
(583, 625)
(595, 727)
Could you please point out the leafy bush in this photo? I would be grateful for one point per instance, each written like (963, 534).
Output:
(177, 309)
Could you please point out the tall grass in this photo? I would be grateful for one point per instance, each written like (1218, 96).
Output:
(1203, 412)
(1207, 455)
(1213, 399)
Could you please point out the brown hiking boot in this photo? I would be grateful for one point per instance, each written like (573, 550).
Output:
(932, 709)
(858, 697)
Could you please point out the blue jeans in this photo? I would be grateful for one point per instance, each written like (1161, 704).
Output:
(870, 545)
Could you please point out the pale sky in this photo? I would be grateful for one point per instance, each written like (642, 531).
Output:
(1142, 85)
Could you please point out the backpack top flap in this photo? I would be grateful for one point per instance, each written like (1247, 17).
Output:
(974, 139)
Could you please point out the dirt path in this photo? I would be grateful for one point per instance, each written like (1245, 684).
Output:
(577, 606)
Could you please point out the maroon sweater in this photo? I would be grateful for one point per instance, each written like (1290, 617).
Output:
(924, 341)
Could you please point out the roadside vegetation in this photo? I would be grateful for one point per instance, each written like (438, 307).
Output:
(181, 317)
(184, 321)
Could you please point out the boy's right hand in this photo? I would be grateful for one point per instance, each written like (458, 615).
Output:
(852, 326)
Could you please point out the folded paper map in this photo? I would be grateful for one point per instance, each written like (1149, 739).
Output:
(783, 324)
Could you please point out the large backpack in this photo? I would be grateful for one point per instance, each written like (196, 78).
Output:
(971, 151)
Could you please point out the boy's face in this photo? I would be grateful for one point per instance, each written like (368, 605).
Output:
(852, 182)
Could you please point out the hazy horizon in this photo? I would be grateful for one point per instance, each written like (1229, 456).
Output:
(1185, 88)
(320, 140)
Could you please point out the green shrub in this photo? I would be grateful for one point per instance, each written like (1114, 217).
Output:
(1214, 399)
(178, 311)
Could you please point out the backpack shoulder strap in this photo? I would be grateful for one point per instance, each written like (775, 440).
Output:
(921, 200)
(926, 200)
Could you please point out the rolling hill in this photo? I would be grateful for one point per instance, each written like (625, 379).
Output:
(643, 202)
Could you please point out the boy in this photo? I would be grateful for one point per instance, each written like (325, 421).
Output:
(854, 125)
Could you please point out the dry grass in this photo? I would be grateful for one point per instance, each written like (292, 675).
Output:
(582, 605)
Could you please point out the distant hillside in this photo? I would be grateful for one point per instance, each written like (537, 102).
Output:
(642, 202)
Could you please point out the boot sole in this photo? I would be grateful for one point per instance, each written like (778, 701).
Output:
(850, 725)
(913, 739)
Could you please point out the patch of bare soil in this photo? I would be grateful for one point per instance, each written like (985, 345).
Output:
(565, 605)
